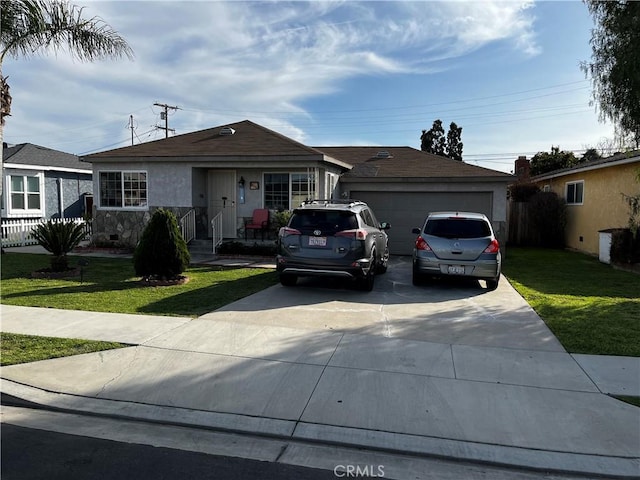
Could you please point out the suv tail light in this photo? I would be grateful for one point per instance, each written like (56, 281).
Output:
(493, 247)
(284, 231)
(358, 234)
(421, 244)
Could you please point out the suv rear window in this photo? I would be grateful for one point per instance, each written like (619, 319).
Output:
(327, 221)
(457, 228)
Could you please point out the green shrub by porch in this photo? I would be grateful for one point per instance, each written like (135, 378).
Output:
(161, 252)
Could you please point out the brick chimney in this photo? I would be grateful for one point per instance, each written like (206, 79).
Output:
(523, 169)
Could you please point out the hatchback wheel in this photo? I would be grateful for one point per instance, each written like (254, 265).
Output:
(492, 283)
(417, 278)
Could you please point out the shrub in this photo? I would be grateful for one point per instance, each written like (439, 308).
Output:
(59, 238)
(625, 247)
(522, 192)
(280, 219)
(161, 252)
(548, 217)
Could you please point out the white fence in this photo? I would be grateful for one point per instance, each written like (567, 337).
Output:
(17, 232)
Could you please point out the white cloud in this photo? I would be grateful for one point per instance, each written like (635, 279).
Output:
(232, 60)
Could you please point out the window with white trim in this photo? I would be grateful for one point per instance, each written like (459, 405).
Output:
(574, 193)
(282, 191)
(26, 195)
(127, 189)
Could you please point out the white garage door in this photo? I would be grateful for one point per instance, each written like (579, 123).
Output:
(406, 210)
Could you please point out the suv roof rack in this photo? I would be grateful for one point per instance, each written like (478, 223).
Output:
(329, 201)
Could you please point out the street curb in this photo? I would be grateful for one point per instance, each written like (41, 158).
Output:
(290, 430)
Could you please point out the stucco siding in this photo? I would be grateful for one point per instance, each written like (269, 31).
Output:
(168, 183)
(603, 204)
(73, 187)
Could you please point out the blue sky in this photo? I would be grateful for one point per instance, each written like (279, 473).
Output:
(324, 73)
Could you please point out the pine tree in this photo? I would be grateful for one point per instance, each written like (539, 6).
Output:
(161, 252)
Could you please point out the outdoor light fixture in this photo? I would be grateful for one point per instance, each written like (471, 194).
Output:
(241, 189)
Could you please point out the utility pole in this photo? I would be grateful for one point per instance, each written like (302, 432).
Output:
(164, 115)
(131, 127)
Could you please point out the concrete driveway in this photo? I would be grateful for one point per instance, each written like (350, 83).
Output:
(448, 369)
(450, 312)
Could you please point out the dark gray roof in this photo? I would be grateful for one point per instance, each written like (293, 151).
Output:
(35, 155)
(406, 162)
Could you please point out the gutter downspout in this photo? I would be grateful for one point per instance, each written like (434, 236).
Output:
(60, 198)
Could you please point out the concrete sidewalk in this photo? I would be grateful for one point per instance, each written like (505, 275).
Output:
(516, 407)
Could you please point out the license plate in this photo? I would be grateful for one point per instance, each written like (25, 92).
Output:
(456, 270)
(317, 241)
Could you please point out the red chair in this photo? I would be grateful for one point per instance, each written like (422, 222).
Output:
(259, 221)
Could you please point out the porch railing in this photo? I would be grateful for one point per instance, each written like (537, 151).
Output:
(188, 225)
(216, 226)
(18, 232)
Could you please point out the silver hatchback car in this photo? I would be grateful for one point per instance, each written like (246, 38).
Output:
(457, 244)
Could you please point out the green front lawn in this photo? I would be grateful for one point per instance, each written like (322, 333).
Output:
(110, 285)
(18, 348)
(591, 307)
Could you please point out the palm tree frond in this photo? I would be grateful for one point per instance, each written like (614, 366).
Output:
(31, 27)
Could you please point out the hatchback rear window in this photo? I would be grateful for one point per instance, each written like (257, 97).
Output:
(326, 221)
(457, 228)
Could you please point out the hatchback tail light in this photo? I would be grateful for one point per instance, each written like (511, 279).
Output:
(421, 244)
(494, 247)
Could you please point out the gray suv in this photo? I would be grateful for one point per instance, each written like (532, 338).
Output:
(334, 239)
(457, 244)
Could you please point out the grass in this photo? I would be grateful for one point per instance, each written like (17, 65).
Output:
(110, 285)
(18, 348)
(591, 307)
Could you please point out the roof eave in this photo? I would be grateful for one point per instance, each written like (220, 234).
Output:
(586, 168)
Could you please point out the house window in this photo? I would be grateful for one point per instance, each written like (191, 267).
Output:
(575, 193)
(330, 185)
(123, 189)
(284, 190)
(25, 195)
(303, 187)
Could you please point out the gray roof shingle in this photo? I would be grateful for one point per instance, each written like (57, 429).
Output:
(405, 162)
(35, 155)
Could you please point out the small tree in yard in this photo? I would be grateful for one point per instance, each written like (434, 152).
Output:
(161, 252)
(59, 238)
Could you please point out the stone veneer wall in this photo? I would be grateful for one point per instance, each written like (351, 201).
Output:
(124, 228)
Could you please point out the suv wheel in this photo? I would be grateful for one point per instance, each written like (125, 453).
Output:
(384, 261)
(288, 280)
(367, 281)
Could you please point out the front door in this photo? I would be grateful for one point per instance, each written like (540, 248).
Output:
(222, 198)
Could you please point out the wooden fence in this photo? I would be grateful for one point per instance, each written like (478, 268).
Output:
(17, 232)
(520, 229)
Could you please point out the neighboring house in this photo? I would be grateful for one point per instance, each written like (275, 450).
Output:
(39, 182)
(594, 195)
(234, 169)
